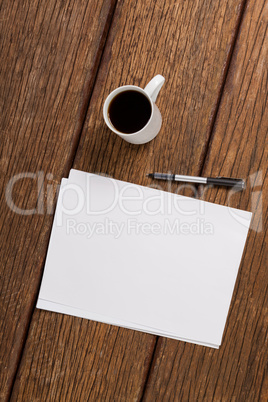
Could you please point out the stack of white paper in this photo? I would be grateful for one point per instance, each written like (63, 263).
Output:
(142, 258)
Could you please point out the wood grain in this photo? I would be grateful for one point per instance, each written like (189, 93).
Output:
(76, 359)
(190, 44)
(50, 52)
(238, 371)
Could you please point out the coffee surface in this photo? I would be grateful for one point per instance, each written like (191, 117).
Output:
(129, 111)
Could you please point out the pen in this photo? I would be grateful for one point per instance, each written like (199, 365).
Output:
(217, 181)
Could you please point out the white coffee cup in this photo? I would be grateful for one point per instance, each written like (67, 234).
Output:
(152, 127)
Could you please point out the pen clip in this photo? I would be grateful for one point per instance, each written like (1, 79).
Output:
(229, 178)
(238, 181)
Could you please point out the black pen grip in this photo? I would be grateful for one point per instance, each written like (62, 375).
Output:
(164, 176)
(222, 181)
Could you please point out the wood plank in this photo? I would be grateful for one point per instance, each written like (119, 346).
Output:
(50, 53)
(189, 43)
(238, 148)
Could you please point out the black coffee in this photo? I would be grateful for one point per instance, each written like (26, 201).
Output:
(129, 111)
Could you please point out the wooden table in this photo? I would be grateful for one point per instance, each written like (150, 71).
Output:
(59, 61)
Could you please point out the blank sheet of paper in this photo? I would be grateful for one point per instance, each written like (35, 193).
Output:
(143, 258)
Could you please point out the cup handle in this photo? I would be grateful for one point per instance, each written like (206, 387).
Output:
(154, 86)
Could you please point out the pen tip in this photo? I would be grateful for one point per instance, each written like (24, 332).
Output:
(149, 174)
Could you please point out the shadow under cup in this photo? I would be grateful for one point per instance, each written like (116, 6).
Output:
(129, 111)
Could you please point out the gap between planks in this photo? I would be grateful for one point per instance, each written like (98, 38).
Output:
(84, 110)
